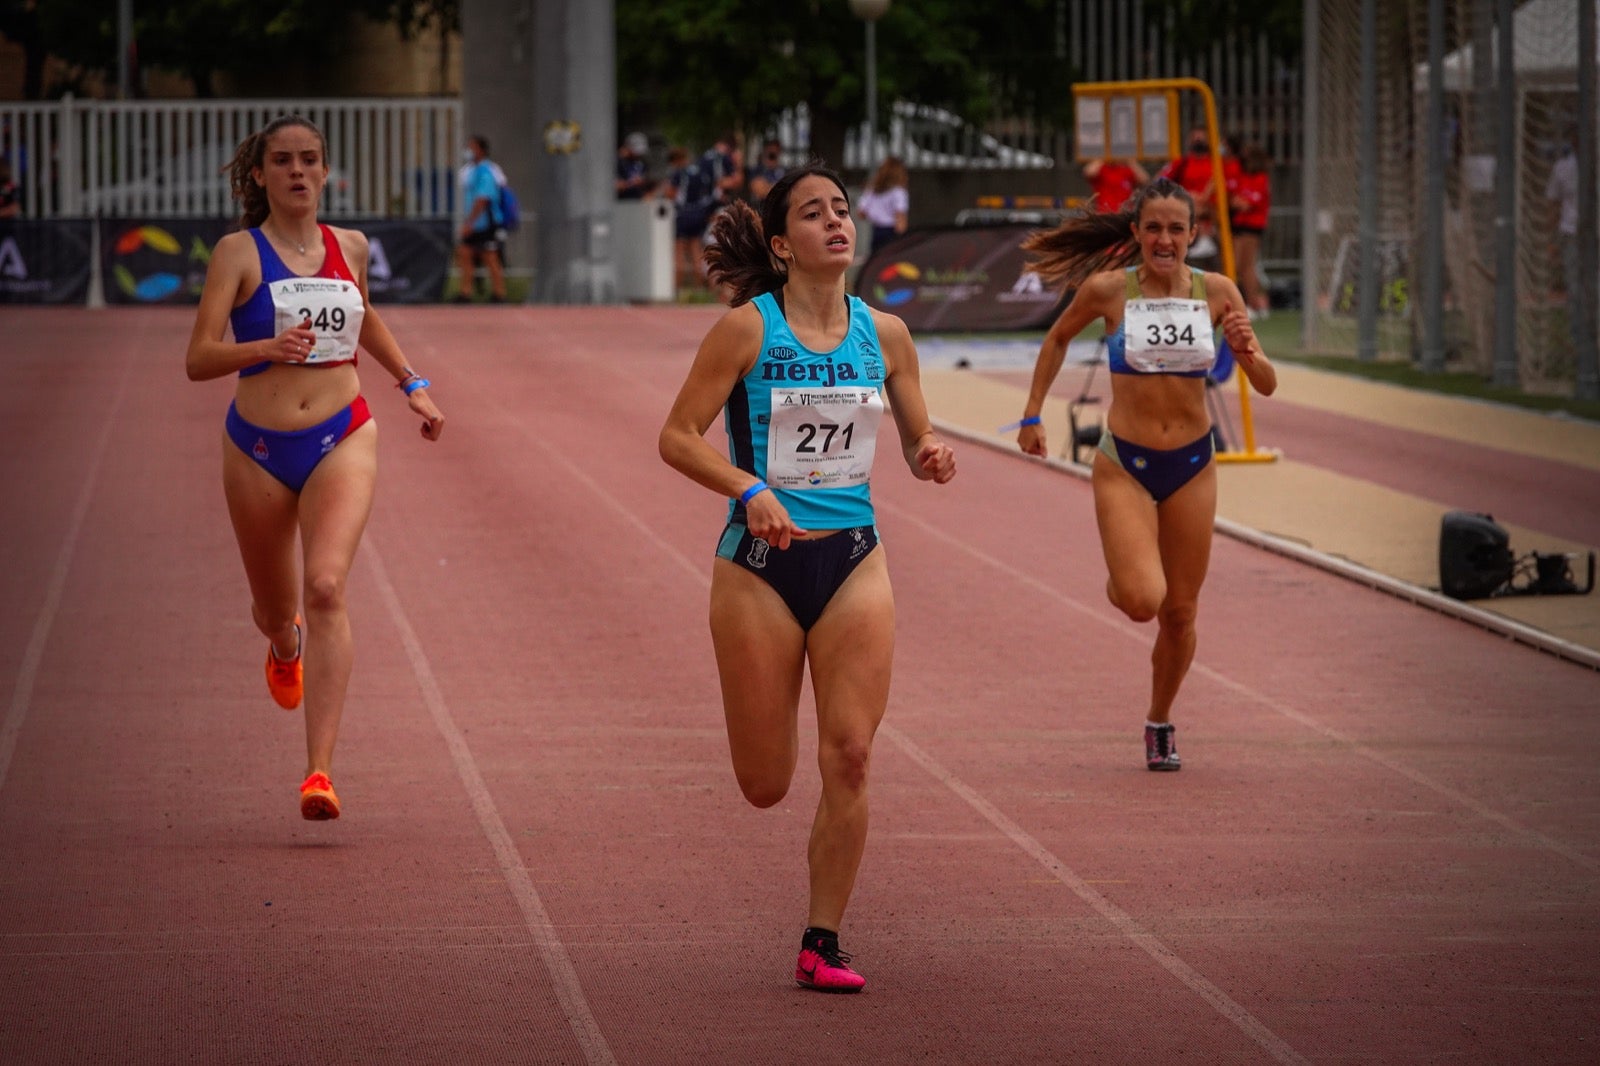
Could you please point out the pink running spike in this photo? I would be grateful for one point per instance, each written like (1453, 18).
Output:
(824, 967)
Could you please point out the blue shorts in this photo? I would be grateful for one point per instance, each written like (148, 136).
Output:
(291, 455)
(1160, 472)
(807, 573)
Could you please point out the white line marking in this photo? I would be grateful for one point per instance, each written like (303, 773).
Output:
(1354, 746)
(1124, 923)
(569, 990)
(1148, 942)
(1345, 568)
(28, 672)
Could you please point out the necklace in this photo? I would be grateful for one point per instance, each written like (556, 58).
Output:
(298, 246)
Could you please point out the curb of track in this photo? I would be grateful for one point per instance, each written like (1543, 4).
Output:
(1435, 601)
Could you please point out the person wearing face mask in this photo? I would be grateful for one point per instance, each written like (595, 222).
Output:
(633, 169)
(1195, 172)
(1155, 484)
(482, 234)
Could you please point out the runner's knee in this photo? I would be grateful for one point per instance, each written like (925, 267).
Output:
(1179, 616)
(1139, 603)
(762, 790)
(844, 764)
(325, 592)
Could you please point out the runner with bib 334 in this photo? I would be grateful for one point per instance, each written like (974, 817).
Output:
(1155, 484)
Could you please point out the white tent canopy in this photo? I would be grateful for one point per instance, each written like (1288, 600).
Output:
(1544, 49)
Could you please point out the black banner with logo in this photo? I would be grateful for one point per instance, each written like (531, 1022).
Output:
(959, 279)
(45, 262)
(163, 261)
(410, 258)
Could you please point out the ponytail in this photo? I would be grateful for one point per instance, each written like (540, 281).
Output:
(741, 253)
(739, 257)
(1096, 240)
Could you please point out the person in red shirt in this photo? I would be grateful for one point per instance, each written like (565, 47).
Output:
(1249, 200)
(1194, 172)
(1113, 181)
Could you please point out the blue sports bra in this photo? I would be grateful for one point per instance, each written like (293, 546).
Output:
(1117, 341)
(253, 320)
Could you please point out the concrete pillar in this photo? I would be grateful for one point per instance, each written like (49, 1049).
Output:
(497, 52)
(538, 79)
(574, 117)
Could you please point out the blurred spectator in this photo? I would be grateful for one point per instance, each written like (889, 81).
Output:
(886, 203)
(725, 162)
(765, 171)
(1249, 201)
(1562, 191)
(10, 195)
(1113, 181)
(633, 169)
(482, 229)
(693, 188)
(1195, 171)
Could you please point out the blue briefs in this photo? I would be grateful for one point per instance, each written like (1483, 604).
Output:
(808, 572)
(1160, 472)
(291, 455)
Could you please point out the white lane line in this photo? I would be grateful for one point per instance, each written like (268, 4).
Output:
(1476, 806)
(569, 991)
(28, 672)
(1125, 923)
(1191, 978)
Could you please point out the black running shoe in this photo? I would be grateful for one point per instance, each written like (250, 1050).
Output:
(1161, 747)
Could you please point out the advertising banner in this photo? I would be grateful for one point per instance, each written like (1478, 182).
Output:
(157, 261)
(958, 280)
(409, 258)
(45, 262)
(163, 261)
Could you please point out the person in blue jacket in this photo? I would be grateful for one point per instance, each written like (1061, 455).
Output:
(482, 229)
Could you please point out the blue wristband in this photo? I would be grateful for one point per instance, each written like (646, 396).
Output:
(750, 493)
(414, 384)
(1030, 421)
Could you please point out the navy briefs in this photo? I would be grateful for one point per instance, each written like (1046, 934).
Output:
(808, 572)
(1161, 472)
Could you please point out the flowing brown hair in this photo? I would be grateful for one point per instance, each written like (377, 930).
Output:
(1093, 241)
(253, 207)
(741, 256)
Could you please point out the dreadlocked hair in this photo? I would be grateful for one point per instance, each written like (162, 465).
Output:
(252, 198)
(739, 257)
(1093, 241)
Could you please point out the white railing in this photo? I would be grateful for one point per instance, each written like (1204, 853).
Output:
(75, 158)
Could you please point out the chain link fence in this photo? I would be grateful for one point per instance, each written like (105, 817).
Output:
(1544, 116)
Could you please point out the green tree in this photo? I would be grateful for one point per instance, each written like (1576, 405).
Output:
(1198, 24)
(202, 38)
(699, 67)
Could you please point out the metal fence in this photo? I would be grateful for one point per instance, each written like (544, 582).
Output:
(156, 159)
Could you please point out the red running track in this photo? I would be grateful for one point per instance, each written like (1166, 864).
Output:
(1384, 846)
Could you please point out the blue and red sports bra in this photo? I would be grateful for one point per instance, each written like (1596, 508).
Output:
(330, 299)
